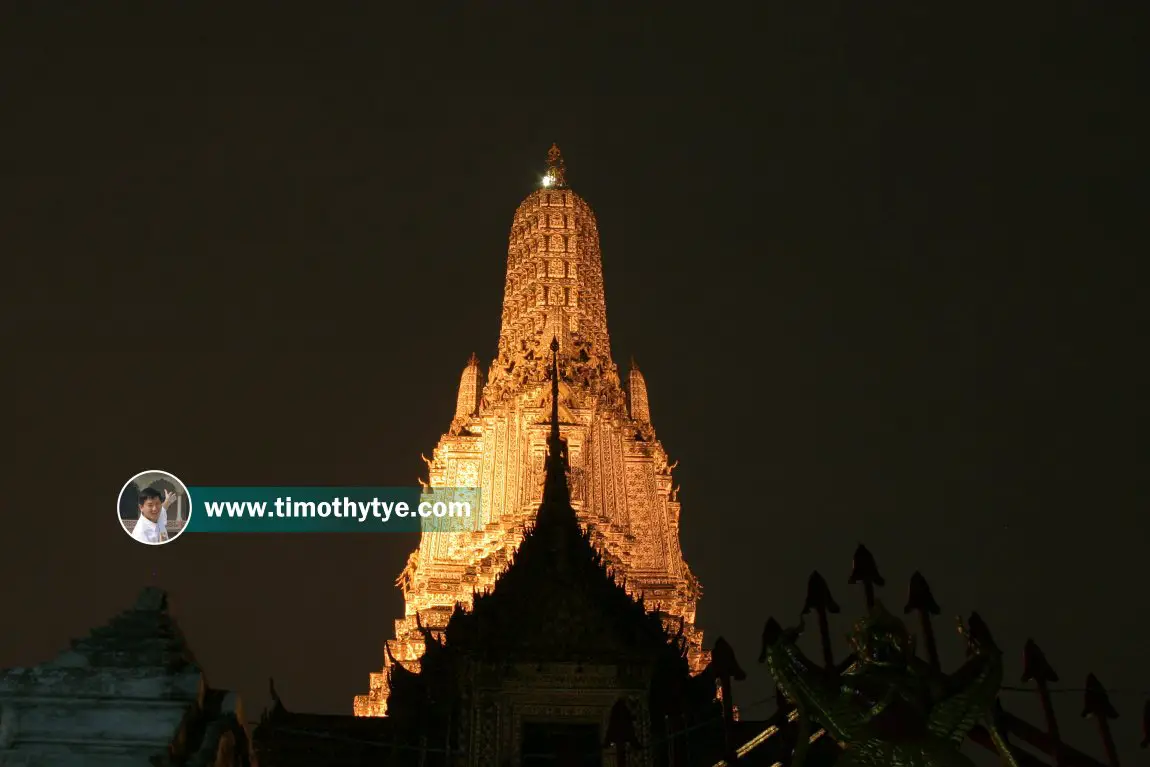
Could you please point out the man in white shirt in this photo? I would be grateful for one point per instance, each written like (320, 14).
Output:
(152, 526)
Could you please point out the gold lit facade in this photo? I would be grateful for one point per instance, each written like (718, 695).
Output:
(620, 480)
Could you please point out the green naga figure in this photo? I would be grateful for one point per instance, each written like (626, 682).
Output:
(889, 707)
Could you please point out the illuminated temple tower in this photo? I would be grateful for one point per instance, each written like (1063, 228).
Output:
(620, 480)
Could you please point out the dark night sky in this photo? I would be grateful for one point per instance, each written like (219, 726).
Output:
(879, 270)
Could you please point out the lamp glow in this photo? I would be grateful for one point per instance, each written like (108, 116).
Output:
(548, 180)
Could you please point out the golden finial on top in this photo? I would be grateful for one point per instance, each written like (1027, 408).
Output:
(556, 171)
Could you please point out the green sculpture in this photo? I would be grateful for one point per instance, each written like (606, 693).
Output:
(888, 707)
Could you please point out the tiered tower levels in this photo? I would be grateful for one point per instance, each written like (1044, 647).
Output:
(620, 480)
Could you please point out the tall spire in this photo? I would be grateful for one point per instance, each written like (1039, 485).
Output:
(556, 177)
(467, 402)
(640, 409)
(553, 292)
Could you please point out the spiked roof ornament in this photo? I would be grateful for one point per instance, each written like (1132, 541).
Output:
(819, 595)
(864, 569)
(724, 663)
(1096, 702)
(771, 633)
(919, 597)
(1035, 666)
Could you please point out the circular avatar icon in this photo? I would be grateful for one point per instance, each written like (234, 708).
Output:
(154, 507)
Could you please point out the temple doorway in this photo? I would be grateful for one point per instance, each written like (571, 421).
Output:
(559, 744)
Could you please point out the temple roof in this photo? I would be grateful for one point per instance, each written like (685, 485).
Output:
(145, 635)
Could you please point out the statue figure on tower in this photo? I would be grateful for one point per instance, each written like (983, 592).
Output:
(556, 170)
(889, 707)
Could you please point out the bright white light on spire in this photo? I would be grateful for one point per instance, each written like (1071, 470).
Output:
(548, 180)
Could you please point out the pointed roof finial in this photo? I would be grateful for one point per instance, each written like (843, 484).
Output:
(634, 365)
(555, 485)
(274, 694)
(473, 361)
(554, 391)
(556, 177)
